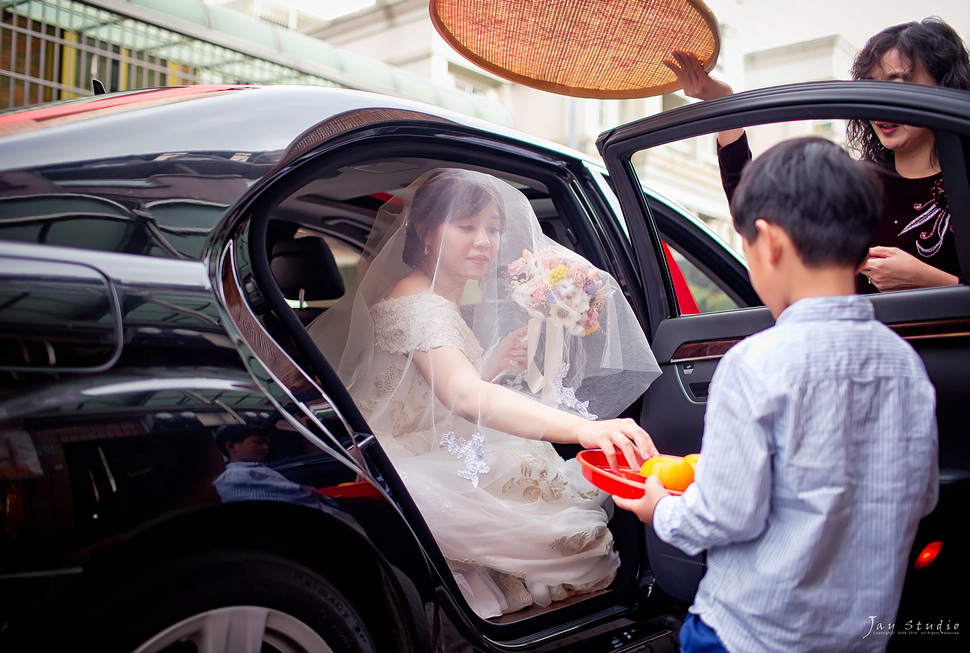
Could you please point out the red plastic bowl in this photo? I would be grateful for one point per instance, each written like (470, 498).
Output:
(355, 490)
(624, 482)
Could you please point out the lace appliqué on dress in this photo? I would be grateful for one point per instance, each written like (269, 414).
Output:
(471, 451)
(385, 384)
(516, 587)
(566, 396)
(569, 545)
(537, 478)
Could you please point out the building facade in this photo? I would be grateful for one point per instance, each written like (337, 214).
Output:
(55, 49)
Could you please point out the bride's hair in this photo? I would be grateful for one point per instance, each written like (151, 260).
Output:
(446, 195)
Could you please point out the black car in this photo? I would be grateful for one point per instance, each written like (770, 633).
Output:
(161, 253)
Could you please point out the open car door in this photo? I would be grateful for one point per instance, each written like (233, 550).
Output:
(935, 321)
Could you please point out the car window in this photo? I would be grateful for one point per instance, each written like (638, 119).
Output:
(165, 206)
(915, 230)
(696, 291)
(686, 171)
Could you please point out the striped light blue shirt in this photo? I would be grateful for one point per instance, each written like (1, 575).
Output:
(819, 458)
(251, 481)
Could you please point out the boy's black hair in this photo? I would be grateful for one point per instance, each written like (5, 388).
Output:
(826, 202)
(236, 433)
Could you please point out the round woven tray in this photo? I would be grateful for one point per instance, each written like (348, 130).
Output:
(583, 48)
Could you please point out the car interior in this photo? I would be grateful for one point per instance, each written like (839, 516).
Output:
(314, 234)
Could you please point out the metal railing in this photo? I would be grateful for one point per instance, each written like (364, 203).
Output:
(54, 49)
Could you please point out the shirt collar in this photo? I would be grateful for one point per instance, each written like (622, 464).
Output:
(839, 307)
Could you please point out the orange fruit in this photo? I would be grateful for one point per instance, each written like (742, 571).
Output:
(692, 459)
(677, 475)
(647, 467)
(651, 465)
(674, 472)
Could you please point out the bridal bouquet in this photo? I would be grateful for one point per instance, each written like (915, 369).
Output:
(568, 292)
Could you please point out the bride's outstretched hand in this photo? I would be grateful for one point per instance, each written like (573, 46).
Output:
(618, 436)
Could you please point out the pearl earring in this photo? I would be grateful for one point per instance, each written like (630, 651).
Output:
(426, 249)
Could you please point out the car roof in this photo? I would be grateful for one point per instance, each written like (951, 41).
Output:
(238, 118)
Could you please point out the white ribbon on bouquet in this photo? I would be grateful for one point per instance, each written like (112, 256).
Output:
(552, 359)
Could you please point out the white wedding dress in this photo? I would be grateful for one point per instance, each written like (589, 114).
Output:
(528, 530)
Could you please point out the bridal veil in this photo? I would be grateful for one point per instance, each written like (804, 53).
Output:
(517, 524)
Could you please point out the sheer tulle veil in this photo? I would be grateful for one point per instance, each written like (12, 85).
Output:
(458, 260)
(587, 352)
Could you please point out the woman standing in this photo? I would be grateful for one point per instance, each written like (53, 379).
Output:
(913, 245)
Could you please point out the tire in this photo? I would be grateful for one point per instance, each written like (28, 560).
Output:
(230, 600)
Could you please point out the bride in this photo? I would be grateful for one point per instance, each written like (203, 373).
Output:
(471, 342)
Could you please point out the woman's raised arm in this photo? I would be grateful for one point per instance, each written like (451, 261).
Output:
(699, 84)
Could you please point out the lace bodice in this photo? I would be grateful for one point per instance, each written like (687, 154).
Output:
(422, 321)
(399, 402)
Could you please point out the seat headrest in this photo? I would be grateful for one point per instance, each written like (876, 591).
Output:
(308, 264)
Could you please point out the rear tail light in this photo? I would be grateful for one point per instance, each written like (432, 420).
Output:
(928, 555)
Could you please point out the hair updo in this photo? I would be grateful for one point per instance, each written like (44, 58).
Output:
(446, 195)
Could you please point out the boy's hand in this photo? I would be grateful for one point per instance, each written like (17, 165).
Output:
(644, 506)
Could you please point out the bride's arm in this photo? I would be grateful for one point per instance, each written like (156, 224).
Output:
(457, 385)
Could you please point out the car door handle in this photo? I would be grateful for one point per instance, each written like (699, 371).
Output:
(699, 390)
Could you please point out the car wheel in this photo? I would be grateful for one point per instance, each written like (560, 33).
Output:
(239, 628)
(229, 602)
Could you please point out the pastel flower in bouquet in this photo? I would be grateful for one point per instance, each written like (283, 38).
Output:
(565, 291)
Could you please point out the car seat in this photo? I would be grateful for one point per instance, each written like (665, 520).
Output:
(305, 270)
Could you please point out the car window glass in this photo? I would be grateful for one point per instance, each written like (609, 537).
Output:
(686, 171)
(698, 293)
(186, 224)
(916, 221)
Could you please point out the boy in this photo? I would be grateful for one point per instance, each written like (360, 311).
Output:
(248, 478)
(819, 453)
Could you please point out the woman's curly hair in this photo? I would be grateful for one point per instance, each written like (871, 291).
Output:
(930, 42)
